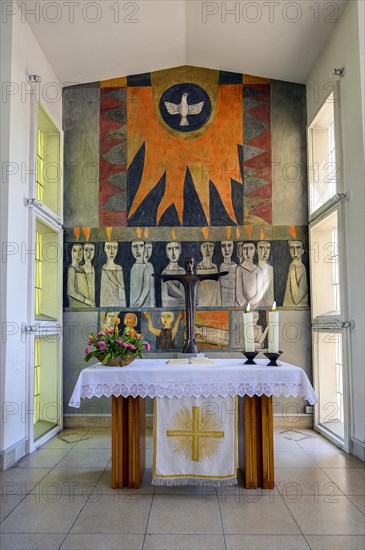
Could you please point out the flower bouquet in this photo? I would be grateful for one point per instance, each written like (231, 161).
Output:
(113, 348)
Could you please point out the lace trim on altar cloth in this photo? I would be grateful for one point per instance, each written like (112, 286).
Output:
(193, 390)
(211, 482)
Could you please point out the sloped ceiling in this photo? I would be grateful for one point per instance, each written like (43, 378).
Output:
(88, 41)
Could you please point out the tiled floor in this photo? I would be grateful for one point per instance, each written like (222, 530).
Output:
(60, 498)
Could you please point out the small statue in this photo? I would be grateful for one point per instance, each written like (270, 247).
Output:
(190, 281)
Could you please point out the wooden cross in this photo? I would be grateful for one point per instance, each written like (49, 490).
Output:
(195, 433)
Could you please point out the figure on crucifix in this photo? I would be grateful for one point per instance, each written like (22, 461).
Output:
(190, 281)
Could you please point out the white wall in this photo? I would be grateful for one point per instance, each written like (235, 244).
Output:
(343, 50)
(26, 58)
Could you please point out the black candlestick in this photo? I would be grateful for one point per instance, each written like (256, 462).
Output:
(250, 356)
(273, 358)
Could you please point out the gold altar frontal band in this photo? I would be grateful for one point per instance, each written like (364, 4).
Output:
(235, 440)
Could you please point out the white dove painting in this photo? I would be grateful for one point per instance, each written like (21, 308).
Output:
(184, 109)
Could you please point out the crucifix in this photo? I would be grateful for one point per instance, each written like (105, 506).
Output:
(190, 281)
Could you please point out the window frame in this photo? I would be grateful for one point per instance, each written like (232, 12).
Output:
(337, 196)
(336, 322)
(35, 327)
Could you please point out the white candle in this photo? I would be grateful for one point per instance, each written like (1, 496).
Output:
(248, 330)
(274, 330)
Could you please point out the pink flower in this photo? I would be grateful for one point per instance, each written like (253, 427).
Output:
(88, 350)
(147, 346)
(100, 334)
(119, 342)
(125, 344)
(132, 346)
(102, 346)
(89, 343)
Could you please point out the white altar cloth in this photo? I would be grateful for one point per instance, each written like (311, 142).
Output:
(225, 377)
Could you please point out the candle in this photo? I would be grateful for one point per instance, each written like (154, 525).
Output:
(248, 330)
(274, 330)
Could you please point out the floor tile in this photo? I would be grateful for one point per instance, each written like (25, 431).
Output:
(182, 542)
(69, 482)
(86, 458)
(43, 458)
(104, 485)
(8, 503)
(304, 481)
(293, 436)
(264, 515)
(103, 542)
(314, 440)
(350, 480)
(336, 542)
(197, 490)
(21, 480)
(96, 440)
(297, 458)
(284, 442)
(359, 502)
(184, 514)
(31, 542)
(334, 458)
(38, 514)
(258, 542)
(327, 516)
(65, 439)
(114, 514)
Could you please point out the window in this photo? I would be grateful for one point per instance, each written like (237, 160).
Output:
(44, 328)
(330, 328)
(47, 272)
(323, 156)
(328, 363)
(325, 266)
(48, 163)
(46, 384)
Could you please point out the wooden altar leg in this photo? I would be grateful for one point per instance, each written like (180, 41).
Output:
(119, 442)
(128, 441)
(268, 481)
(253, 453)
(136, 440)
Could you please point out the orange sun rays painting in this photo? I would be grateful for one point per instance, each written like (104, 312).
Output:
(209, 156)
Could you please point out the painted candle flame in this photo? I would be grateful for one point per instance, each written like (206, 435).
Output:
(274, 306)
(248, 308)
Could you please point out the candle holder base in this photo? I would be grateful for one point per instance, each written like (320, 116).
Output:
(273, 357)
(250, 356)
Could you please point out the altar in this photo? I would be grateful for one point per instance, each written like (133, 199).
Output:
(129, 386)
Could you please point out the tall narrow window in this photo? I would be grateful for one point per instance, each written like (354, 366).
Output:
(38, 274)
(46, 385)
(323, 161)
(44, 319)
(49, 169)
(40, 165)
(330, 328)
(328, 364)
(325, 266)
(47, 272)
(37, 368)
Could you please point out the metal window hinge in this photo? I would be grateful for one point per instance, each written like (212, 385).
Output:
(344, 196)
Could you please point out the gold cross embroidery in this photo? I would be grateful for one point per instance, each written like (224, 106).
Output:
(195, 433)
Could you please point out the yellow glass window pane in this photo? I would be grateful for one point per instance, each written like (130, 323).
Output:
(37, 362)
(38, 273)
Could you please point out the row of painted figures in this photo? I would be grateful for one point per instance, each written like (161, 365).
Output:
(246, 281)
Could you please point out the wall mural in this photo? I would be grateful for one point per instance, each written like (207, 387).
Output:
(185, 168)
(119, 274)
